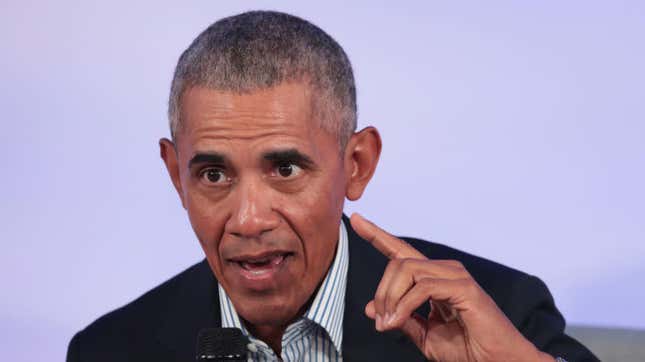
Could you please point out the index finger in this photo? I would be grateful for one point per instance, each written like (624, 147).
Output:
(388, 244)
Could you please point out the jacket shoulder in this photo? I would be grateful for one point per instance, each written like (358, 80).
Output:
(120, 334)
(514, 291)
(524, 299)
(488, 273)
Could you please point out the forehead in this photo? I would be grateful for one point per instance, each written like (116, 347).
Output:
(275, 109)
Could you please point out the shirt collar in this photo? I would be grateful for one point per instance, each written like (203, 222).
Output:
(328, 306)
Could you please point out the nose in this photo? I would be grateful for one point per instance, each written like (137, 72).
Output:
(252, 213)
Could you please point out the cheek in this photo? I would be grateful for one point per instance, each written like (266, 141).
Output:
(315, 214)
(208, 226)
(312, 209)
(207, 221)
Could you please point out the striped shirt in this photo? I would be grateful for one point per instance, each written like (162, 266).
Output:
(318, 334)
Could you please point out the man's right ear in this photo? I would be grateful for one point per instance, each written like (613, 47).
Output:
(168, 153)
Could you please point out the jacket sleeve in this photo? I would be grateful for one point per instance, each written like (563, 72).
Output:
(73, 354)
(532, 310)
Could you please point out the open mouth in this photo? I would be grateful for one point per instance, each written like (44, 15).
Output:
(264, 265)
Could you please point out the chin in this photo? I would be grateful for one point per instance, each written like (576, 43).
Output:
(266, 312)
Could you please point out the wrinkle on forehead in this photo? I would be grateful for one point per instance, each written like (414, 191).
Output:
(282, 112)
(241, 134)
(288, 101)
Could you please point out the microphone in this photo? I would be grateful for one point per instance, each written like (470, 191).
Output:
(221, 344)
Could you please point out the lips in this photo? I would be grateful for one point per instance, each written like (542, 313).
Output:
(258, 265)
(264, 266)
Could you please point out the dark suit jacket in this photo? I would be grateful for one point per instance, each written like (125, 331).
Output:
(162, 325)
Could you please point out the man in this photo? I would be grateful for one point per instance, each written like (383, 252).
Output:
(263, 153)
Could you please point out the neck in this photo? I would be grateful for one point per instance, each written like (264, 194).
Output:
(270, 335)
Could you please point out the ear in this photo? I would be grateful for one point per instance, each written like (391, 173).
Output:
(169, 155)
(361, 157)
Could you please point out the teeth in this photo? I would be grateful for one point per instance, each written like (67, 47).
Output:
(261, 264)
(277, 260)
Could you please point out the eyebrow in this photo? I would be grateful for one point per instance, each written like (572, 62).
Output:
(209, 157)
(289, 155)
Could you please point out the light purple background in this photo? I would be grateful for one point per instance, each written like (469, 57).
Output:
(511, 130)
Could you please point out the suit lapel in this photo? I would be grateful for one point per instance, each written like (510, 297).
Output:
(358, 330)
(361, 341)
(195, 306)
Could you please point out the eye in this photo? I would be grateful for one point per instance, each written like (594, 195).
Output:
(288, 170)
(213, 176)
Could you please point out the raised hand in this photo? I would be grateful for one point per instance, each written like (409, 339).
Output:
(465, 324)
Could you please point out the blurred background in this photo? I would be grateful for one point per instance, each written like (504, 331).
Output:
(512, 130)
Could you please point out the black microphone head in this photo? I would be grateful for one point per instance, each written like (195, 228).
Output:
(221, 344)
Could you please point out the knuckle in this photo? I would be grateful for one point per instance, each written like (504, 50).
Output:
(396, 255)
(426, 284)
(407, 262)
(390, 268)
(461, 269)
(450, 262)
(470, 286)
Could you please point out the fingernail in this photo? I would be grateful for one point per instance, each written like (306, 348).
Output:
(386, 319)
(379, 323)
(390, 319)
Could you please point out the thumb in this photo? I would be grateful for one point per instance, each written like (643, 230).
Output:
(370, 310)
(415, 327)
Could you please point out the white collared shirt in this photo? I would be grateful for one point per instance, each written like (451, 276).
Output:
(318, 334)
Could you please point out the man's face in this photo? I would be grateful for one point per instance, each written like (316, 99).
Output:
(264, 187)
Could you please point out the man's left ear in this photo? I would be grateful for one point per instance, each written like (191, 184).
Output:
(361, 157)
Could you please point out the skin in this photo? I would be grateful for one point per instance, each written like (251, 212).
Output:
(470, 326)
(258, 175)
(226, 167)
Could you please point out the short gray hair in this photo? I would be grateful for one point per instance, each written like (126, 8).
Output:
(261, 49)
